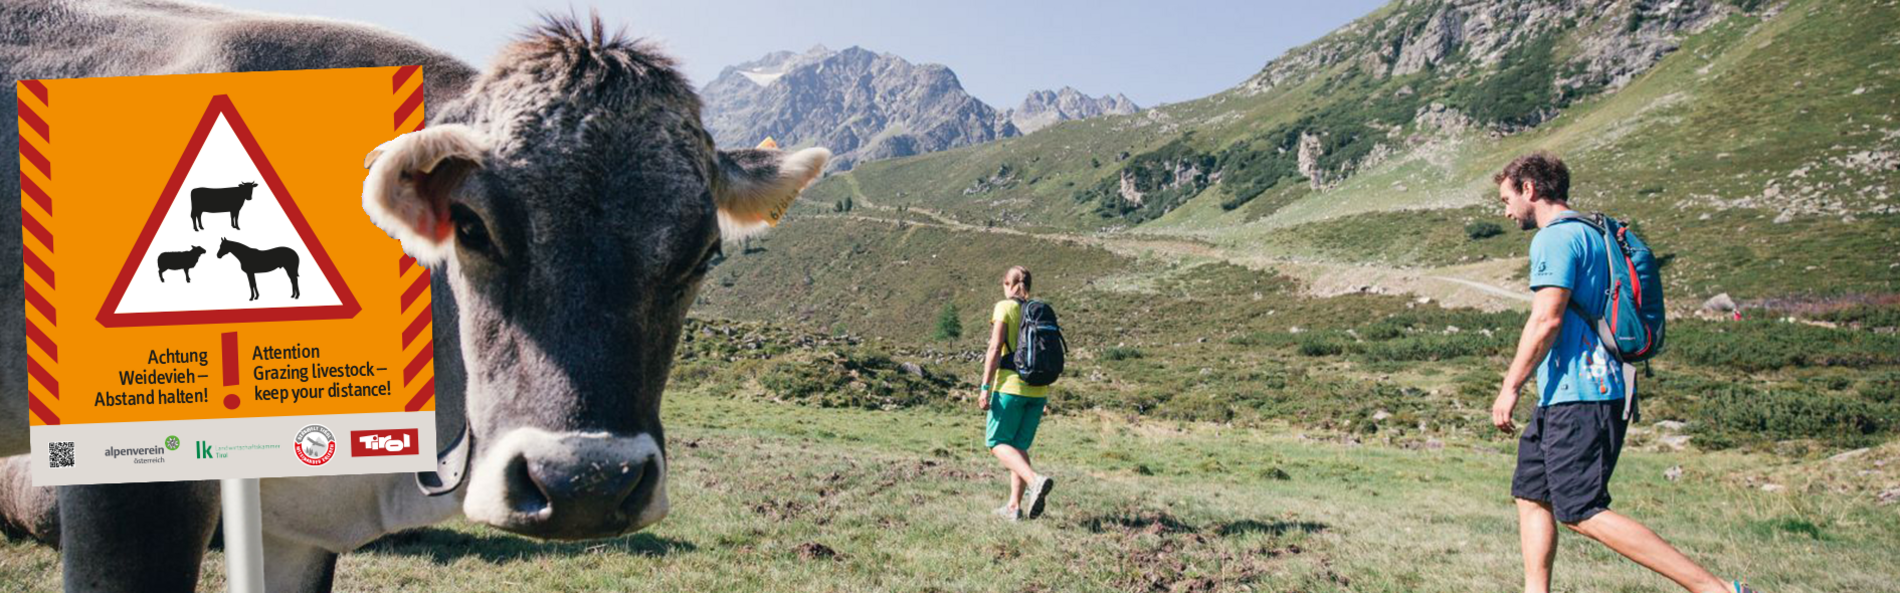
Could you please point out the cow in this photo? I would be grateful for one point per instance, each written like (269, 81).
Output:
(219, 199)
(179, 260)
(569, 201)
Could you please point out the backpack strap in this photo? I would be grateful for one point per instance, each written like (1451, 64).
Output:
(1606, 335)
(1008, 360)
(1596, 221)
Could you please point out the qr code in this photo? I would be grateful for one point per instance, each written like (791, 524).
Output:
(59, 454)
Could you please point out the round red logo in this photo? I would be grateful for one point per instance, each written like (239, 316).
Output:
(315, 444)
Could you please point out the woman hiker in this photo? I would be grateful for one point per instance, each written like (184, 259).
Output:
(1015, 408)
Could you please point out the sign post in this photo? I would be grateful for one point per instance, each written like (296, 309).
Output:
(205, 297)
(243, 535)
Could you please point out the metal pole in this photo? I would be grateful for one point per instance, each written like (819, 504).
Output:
(243, 535)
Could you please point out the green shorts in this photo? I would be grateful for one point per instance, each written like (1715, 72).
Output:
(1013, 420)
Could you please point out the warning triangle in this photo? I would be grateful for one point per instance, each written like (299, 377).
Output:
(225, 243)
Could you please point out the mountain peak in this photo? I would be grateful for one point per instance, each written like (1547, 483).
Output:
(859, 103)
(1043, 108)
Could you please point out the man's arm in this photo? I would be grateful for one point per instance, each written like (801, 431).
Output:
(1540, 331)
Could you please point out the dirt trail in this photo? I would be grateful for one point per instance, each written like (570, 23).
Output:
(1484, 285)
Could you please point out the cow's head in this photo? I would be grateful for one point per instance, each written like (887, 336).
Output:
(574, 201)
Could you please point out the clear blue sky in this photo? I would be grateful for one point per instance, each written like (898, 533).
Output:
(1152, 51)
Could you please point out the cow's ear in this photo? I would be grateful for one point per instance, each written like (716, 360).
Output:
(757, 185)
(407, 190)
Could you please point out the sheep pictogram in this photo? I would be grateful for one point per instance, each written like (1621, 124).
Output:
(179, 260)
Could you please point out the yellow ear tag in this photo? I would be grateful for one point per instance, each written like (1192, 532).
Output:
(771, 218)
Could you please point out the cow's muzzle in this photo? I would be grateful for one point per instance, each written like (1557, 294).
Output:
(568, 485)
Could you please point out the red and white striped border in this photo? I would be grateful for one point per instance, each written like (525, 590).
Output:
(36, 245)
(418, 342)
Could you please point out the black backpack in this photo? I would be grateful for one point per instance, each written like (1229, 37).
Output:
(1039, 345)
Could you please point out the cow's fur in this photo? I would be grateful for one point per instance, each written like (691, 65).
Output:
(572, 198)
(586, 156)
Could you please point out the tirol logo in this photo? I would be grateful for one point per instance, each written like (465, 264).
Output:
(375, 443)
(315, 444)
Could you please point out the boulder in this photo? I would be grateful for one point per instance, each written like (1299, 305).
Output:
(1721, 303)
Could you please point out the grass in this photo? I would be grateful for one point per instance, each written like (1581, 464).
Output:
(776, 497)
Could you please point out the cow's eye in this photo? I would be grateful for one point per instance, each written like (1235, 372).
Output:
(470, 232)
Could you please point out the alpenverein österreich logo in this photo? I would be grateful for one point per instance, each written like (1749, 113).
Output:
(315, 444)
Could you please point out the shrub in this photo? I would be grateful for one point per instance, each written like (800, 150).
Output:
(1483, 229)
(1765, 345)
(1197, 406)
(849, 378)
(1865, 316)
(1741, 415)
(1433, 347)
(1121, 353)
(1316, 344)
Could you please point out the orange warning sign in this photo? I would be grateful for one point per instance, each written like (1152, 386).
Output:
(206, 236)
(234, 155)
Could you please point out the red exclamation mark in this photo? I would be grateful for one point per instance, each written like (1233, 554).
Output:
(231, 401)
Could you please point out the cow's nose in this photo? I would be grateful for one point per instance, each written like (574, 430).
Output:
(585, 490)
(569, 486)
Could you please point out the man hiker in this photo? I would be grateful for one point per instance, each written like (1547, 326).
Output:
(1576, 430)
(1014, 406)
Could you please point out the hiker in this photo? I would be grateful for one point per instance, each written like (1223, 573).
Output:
(1585, 398)
(1015, 406)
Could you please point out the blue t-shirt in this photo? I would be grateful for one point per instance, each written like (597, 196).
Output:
(1578, 369)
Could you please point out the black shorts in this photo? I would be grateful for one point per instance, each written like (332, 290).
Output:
(1566, 456)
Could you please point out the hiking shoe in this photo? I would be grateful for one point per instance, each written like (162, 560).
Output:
(1009, 513)
(1741, 588)
(1039, 494)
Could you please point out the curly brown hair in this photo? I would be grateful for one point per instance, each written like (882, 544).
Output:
(1546, 173)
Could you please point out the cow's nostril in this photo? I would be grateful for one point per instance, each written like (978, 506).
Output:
(647, 502)
(525, 494)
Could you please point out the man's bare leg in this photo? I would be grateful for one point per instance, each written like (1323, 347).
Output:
(1537, 530)
(1638, 543)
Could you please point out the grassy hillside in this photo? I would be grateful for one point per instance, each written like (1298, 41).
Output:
(886, 278)
(1210, 341)
(1759, 155)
